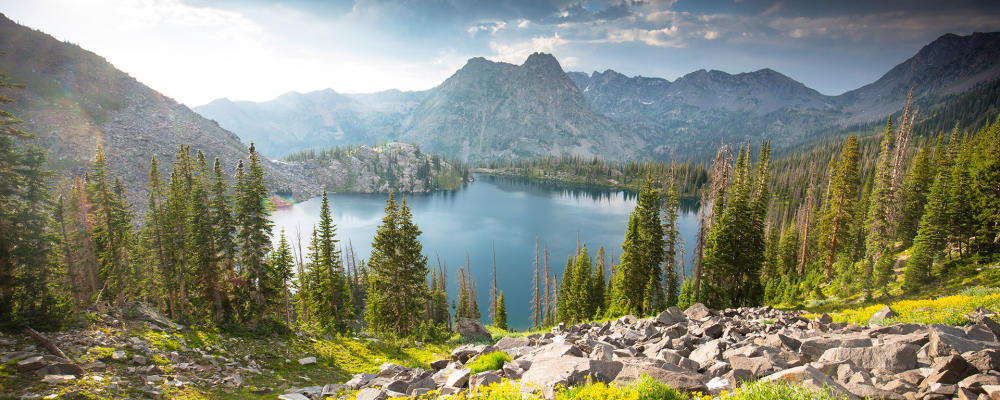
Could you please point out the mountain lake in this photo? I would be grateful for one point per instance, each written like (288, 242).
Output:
(505, 213)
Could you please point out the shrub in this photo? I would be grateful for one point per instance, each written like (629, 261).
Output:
(489, 362)
(761, 390)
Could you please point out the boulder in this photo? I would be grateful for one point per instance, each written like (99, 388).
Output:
(976, 382)
(825, 318)
(483, 379)
(983, 360)
(472, 329)
(458, 378)
(698, 312)
(507, 343)
(56, 379)
(671, 316)
(30, 364)
(812, 348)
(809, 378)
(307, 360)
(949, 371)
(602, 352)
(948, 340)
(894, 357)
(144, 312)
(566, 371)
(880, 316)
(684, 381)
(371, 394)
(707, 353)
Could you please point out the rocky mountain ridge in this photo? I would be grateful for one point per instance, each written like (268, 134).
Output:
(489, 110)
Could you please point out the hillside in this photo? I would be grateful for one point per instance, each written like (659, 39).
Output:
(489, 110)
(74, 98)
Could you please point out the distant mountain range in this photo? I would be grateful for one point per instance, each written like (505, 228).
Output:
(490, 110)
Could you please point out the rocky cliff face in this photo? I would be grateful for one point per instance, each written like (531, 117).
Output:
(74, 99)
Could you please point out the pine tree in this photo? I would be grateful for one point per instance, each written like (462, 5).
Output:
(932, 233)
(841, 199)
(30, 276)
(223, 232)
(199, 247)
(500, 320)
(878, 232)
(252, 219)
(112, 231)
(961, 203)
(598, 283)
(398, 268)
(329, 302)
(914, 196)
(629, 279)
(274, 287)
(671, 235)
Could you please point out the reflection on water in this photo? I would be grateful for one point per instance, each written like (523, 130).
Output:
(505, 212)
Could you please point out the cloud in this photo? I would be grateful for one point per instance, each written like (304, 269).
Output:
(517, 52)
(711, 35)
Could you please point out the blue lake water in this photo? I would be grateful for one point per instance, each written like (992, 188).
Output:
(502, 212)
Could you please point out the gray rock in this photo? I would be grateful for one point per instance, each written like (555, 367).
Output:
(707, 353)
(30, 364)
(566, 371)
(894, 357)
(359, 381)
(814, 347)
(507, 343)
(602, 352)
(484, 378)
(983, 360)
(57, 379)
(977, 381)
(808, 377)
(949, 371)
(698, 312)
(947, 340)
(458, 378)
(684, 381)
(293, 396)
(144, 312)
(472, 329)
(671, 316)
(881, 315)
(371, 394)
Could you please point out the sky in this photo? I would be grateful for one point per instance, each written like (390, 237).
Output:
(199, 50)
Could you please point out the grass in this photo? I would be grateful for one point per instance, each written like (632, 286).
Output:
(489, 362)
(948, 310)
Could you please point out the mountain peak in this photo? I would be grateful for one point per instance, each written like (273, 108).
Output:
(541, 60)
